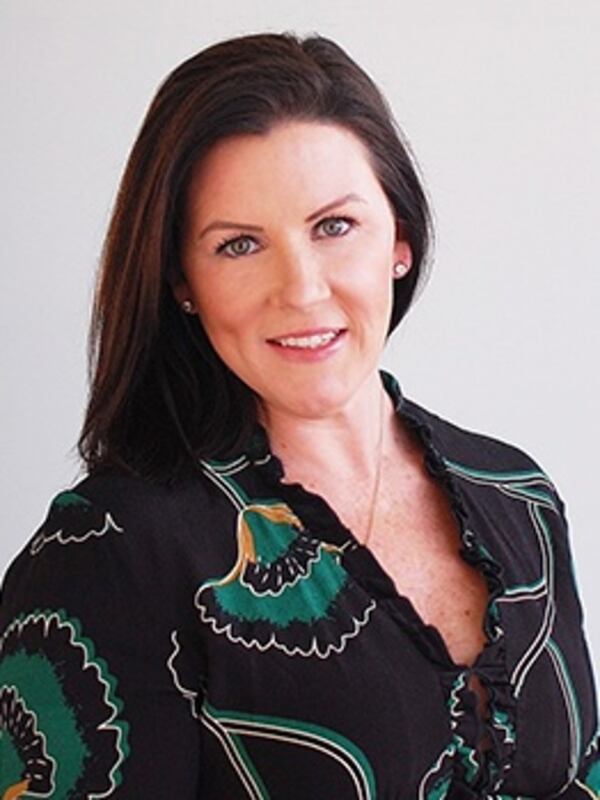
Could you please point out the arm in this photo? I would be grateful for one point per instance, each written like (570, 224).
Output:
(586, 784)
(88, 701)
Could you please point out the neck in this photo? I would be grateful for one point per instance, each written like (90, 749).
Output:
(344, 441)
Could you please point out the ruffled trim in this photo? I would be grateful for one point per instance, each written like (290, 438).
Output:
(491, 664)
(310, 507)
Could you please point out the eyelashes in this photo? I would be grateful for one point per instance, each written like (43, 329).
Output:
(228, 246)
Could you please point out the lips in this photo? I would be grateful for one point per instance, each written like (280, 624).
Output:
(311, 348)
(305, 333)
(314, 339)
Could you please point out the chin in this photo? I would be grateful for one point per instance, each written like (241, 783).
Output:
(316, 398)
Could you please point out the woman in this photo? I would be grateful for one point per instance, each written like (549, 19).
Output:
(281, 577)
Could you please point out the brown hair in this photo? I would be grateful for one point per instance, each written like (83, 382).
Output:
(160, 396)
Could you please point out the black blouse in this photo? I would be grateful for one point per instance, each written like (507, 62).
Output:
(230, 638)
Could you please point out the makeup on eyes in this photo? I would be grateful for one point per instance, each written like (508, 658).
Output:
(228, 241)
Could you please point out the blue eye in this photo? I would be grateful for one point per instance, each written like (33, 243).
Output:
(238, 246)
(234, 247)
(336, 226)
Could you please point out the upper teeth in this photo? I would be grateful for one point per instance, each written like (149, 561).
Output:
(317, 340)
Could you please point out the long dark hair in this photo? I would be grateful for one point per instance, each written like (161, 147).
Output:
(160, 396)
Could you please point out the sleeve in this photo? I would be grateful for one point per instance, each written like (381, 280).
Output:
(586, 784)
(92, 701)
(588, 780)
(586, 763)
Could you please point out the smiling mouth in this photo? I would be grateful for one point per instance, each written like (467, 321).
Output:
(309, 342)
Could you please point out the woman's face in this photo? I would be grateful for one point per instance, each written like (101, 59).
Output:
(288, 249)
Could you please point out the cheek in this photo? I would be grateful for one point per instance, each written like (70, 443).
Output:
(216, 321)
(223, 336)
(370, 280)
(214, 300)
(225, 315)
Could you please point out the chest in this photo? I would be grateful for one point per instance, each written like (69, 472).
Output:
(415, 538)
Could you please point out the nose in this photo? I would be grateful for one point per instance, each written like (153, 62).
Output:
(301, 279)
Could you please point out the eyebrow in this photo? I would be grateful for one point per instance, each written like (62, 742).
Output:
(219, 223)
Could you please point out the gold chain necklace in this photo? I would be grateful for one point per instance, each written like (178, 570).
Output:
(375, 494)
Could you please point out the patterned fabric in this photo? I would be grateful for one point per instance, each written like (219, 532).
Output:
(229, 638)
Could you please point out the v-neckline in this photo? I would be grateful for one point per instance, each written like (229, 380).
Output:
(324, 523)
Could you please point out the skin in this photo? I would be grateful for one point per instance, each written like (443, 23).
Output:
(322, 415)
(294, 275)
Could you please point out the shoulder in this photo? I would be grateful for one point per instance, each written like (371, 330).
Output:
(494, 473)
(138, 498)
(112, 502)
(112, 528)
(497, 480)
(462, 445)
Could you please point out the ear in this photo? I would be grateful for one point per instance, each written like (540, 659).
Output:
(402, 252)
(181, 291)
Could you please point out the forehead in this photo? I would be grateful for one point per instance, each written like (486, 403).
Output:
(300, 158)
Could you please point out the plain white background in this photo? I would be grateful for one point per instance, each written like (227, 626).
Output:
(501, 102)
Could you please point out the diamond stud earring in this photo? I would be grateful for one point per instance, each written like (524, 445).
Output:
(187, 307)
(400, 269)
